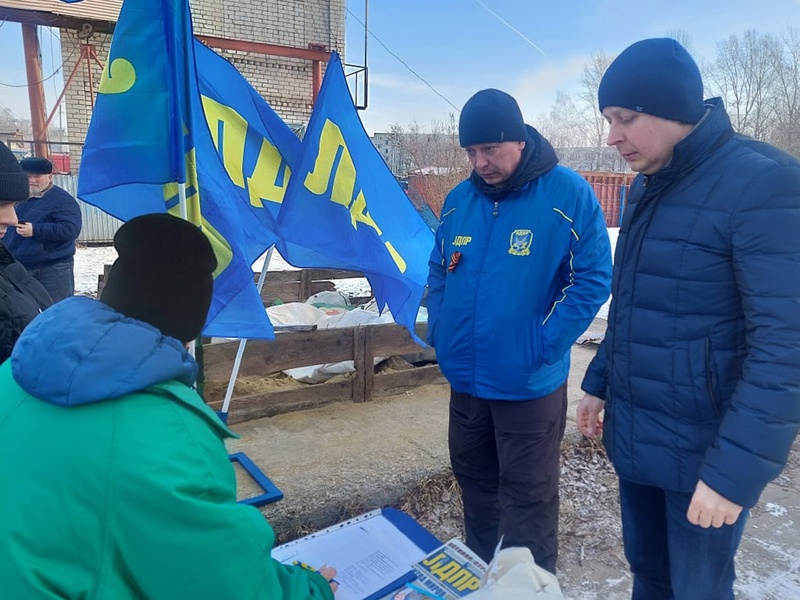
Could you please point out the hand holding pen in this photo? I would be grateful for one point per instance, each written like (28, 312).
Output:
(327, 572)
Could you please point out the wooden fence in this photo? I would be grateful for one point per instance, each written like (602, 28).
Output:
(299, 349)
(299, 285)
(293, 349)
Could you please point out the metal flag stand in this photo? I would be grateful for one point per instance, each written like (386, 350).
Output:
(270, 491)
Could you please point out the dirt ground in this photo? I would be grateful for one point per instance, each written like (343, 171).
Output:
(344, 459)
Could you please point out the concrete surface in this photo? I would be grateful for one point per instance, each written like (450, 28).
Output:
(363, 456)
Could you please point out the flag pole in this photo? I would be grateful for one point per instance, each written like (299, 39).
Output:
(182, 200)
(242, 343)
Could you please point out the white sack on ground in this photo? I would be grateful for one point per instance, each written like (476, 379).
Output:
(514, 575)
(329, 317)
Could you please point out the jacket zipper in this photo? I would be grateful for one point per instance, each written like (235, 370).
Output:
(710, 380)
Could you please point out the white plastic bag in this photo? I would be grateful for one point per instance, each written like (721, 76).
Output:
(514, 575)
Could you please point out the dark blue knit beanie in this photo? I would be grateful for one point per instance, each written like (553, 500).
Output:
(491, 116)
(657, 77)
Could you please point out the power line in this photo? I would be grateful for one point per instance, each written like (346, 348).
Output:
(401, 61)
(53, 74)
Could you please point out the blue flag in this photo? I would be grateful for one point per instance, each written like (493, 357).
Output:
(148, 134)
(343, 202)
(257, 149)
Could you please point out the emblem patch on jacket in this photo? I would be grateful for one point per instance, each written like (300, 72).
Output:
(521, 240)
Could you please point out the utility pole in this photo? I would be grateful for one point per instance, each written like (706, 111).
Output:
(33, 68)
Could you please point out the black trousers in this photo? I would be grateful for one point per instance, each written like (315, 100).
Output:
(505, 456)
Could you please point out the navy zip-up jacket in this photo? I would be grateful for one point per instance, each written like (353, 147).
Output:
(56, 219)
(535, 267)
(700, 367)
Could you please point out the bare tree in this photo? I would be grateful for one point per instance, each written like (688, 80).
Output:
(564, 126)
(683, 37)
(437, 161)
(744, 74)
(593, 72)
(786, 129)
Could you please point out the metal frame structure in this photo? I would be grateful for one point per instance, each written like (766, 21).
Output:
(30, 19)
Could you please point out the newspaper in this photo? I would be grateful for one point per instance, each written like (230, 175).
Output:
(448, 573)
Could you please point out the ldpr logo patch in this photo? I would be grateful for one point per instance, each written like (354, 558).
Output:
(521, 240)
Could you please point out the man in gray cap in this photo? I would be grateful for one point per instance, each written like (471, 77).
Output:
(21, 296)
(521, 265)
(699, 371)
(49, 223)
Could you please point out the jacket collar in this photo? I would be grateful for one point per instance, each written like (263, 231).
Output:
(713, 130)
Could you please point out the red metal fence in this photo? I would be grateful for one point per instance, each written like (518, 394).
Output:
(611, 190)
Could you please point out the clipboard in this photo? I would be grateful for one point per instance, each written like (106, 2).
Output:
(386, 540)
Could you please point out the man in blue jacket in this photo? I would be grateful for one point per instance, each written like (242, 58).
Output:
(48, 225)
(521, 265)
(699, 372)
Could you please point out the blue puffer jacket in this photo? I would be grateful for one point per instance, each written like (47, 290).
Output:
(700, 367)
(535, 267)
(56, 219)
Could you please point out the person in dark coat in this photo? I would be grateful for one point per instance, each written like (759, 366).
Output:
(699, 372)
(49, 223)
(21, 296)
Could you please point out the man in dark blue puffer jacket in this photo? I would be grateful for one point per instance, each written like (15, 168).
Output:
(699, 372)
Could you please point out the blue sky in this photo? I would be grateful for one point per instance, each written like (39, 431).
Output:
(13, 92)
(460, 46)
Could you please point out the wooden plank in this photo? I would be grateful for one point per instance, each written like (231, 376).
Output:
(291, 291)
(360, 364)
(268, 404)
(369, 362)
(300, 349)
(410, 378)
(288, 350)
(390, 338)
(313, 274)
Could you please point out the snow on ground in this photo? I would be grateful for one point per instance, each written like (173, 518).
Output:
(89, 261)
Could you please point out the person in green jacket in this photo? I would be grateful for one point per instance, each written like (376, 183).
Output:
(114, 478)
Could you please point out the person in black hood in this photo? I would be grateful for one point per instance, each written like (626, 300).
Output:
(21, 296)
(521, 266)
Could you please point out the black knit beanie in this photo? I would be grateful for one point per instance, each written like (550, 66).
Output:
(163, 275)
(491, 116)
(657, 77)
(36, 165)
(13, 181)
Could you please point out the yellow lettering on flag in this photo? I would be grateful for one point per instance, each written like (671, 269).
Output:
(345, 178)
(234, 131)
(222, 248)
(344, 183)
(261, 184)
